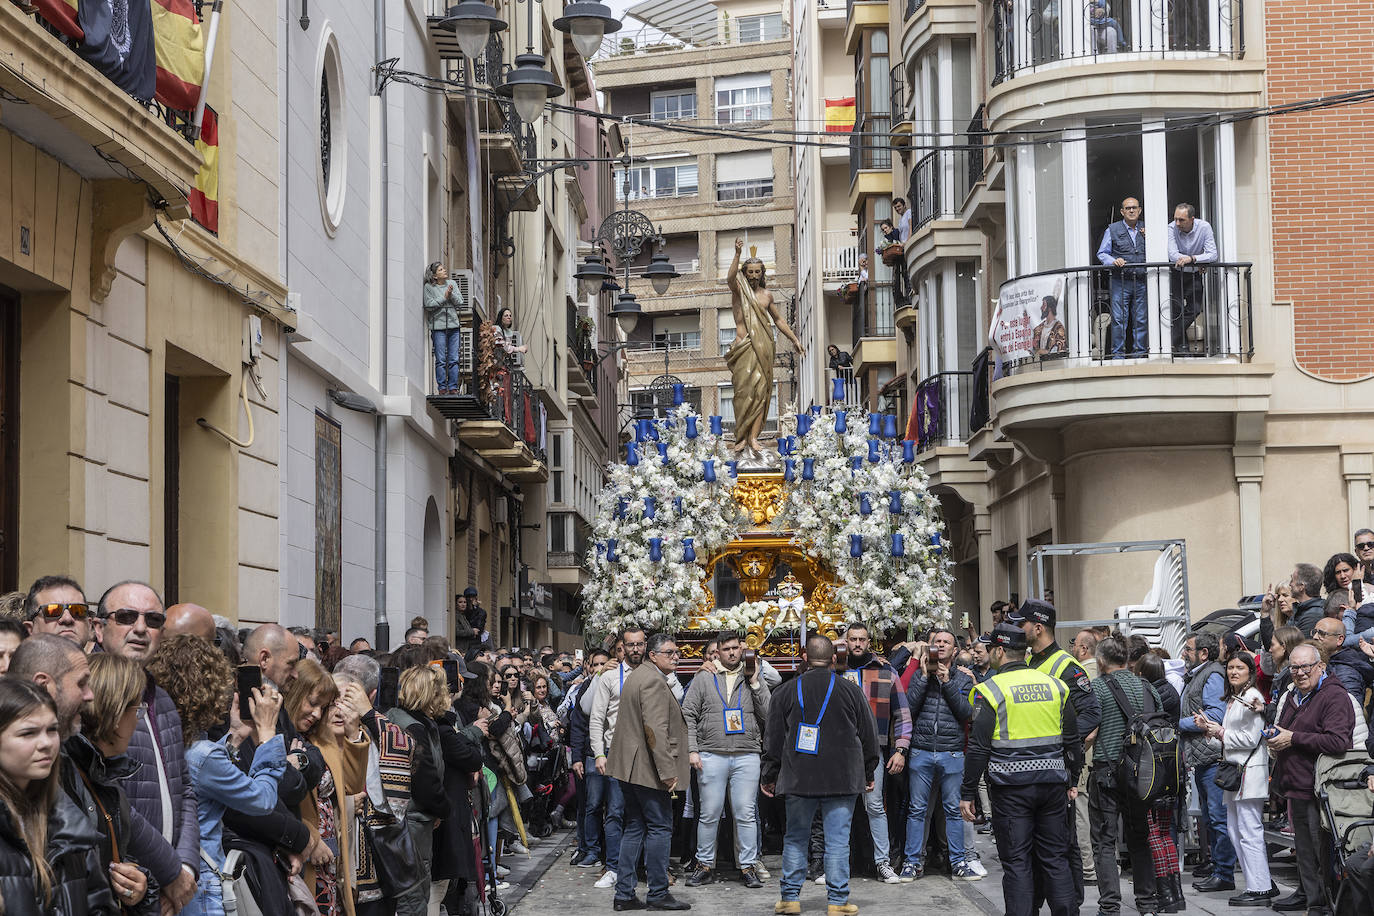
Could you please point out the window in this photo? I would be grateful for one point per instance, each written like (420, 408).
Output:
(762, 238)
(556, 464)
(747, 97)
(677, 332)
(744, 176)
(760, 28)
(725, 333)
(727, 408)
(668, 178)
(560, 540)
(333, 137)
(673, 105)
(644, 403)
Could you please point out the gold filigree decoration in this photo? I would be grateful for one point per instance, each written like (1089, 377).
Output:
(760, 496)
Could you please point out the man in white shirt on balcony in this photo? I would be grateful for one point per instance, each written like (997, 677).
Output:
(903, 218)
(1191, 243)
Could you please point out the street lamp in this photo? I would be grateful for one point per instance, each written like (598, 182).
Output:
(472, 23)
(660, 272)
(592, 274)
(587, 23)
(530, 84)
(626, 312)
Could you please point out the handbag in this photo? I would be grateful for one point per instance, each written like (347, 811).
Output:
(1229, 776)
(236, 895)
(394, 856)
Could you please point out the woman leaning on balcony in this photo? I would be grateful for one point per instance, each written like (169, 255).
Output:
(442, 300)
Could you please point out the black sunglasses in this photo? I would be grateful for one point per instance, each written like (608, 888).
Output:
(79, 610)
(127, 617)
(1365, 545)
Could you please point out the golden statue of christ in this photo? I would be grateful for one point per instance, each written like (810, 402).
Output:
(751, 354)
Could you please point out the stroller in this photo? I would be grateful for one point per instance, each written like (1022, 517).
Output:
(1347, 808)
(547, 766)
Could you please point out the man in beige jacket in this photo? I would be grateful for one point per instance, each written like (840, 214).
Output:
(648, 757)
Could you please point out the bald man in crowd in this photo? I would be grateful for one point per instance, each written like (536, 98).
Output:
(275, 650)
(192, 620)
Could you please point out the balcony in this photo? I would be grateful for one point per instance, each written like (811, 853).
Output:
(1058, 370)
(1051, 58)
(942, 429)
(987, 200)
(499, 413)
(870, 145)
(717, 34)
(839, 256)
(582, 361)
(939, 184)
(57, 101)
(901, 114)
(924, 21)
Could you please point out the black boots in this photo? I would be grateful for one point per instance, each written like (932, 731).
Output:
(1169, 898)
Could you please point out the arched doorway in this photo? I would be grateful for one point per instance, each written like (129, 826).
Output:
(436, 590)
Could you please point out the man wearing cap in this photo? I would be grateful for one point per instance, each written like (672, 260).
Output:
(1026, 738)
(1037, 619)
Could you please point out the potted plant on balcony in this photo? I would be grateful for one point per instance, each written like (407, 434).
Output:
(849, 292)
(585, 347)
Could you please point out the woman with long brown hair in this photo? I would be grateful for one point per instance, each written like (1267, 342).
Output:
(49, 855)
(331, 722)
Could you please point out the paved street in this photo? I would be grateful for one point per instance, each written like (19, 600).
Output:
(547, 883)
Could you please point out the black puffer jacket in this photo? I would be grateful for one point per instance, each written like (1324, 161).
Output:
(104, 779)
(939, 712)
(79, 884)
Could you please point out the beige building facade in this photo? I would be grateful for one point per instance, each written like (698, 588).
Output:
(1016, 148)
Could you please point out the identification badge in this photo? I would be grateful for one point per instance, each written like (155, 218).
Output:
(855, 678)
(808, 739)
(734, 720)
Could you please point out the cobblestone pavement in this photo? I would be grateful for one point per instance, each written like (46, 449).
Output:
(547, 883)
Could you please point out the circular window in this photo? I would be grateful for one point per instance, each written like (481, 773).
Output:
(333, 138)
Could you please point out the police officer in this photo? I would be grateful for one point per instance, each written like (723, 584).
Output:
(1036, 619)
(1026, 738)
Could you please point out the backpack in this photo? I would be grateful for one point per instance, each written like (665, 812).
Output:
(1149, 767)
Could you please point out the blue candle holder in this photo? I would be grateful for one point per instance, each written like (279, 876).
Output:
(889, 426)
(650, 507)
(789, 470)
(865, 504)
(640, 431)
(631, 454)
(610, 550)
(873, 450)
(656, 549)
(708, 470)
(894, 502)
(791, 445)
(679, 393)
(691, 427)
(856, 463)
(935, 543)
(875, 424)
(689, 553)
(803, 424)
(856, 545)
(620, 506)
(815, 410)
(663, 452)
(837, 390)
(908, 451)
(808, 469)
(652, 429)
(734, 468)
(677, 506)
(840, 422)
(716, 426)
(898, 544)
(782, 446)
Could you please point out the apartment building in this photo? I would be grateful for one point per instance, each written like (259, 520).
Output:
(1241, 425)
(700, 67)
(140, 368)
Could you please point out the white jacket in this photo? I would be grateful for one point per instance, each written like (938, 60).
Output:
(1243, 729)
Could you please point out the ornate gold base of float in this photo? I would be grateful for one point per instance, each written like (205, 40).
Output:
(754, 557)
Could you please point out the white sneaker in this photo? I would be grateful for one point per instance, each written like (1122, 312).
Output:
(502, 872)
(887, 875)
(606, 880)
(515, 847)
(975, 866)
(763, 873)
(820, 879)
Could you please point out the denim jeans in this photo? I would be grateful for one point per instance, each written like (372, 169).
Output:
(603, 796)
(925, 768)
(877, 814)
(209, 897)
(837, 813)
(446, 348)
(1212, 803)
(1129, 302)
(648, 827)
(739, 773)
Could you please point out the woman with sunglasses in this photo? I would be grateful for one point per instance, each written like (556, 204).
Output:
(1243, 745)
(99, 752)
(49, 850)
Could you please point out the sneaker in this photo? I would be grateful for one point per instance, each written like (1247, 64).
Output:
(963, 872)
(820, 879)
(749, 877)
(606, 880)
(887, 875)
(974, 865)
(763, 873)
(515, 847)
(502, 871)
(702, 875)
(910, 872)
(588, 861)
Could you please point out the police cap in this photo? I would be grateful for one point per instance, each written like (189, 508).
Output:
(1007, 636)
(1034, 611)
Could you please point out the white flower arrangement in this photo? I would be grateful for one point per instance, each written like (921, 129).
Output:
(885, 592)
(634, 588)
(738, 618)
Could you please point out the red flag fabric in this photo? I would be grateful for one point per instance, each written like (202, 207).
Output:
(204, 197)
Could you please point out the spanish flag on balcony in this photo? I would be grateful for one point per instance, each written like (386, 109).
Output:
(204, 197)
(839, 115)
(61, 15)
(180, 44)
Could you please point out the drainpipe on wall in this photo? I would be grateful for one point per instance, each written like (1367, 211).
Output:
(382, 626)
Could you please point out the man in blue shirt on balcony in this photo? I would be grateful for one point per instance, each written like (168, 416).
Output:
(1124, 243)
(1191, 243)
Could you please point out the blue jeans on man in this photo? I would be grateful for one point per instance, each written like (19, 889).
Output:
(1212, 804)
(877, 815)
(603, 794)
(740, 774)
(1129, 301)
(648, 828)
(447, 345)
(926, 769)
(837, 813)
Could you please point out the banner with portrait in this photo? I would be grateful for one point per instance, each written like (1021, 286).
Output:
(1029, 319)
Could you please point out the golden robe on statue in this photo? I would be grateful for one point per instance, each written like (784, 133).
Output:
(751, 359)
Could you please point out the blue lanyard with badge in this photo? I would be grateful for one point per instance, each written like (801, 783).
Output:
(809, 736)
(733, 716)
